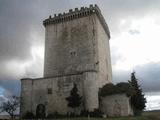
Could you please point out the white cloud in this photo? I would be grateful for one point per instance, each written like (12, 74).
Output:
(35, 66)
(153, 101)
(134, 26)
(138, 44)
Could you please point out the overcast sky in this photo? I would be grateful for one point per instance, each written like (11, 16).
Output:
(135, 40)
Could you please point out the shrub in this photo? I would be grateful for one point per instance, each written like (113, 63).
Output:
(110, 89)
(56, 115)
(29, 115)
(95, 113)
(84, 113)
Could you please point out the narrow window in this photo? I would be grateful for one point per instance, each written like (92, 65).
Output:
(49, 90)
(73, 53)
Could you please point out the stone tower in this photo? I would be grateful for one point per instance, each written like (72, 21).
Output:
(78, 43)
(76, 52)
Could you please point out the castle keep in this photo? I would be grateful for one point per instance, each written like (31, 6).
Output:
(76, 52)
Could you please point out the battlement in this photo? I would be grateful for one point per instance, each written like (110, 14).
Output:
(77, 13)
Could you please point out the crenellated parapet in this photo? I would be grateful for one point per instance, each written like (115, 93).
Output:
(77, 13)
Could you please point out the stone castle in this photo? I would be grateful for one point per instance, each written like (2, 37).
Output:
(77, 52)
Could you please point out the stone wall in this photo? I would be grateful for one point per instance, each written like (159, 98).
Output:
(76, 50)
(116, 105)
(26, 96)
(104, 58)
(69, 47)
(90, 91)
(78, 42)
(72, 42)
(35, 92)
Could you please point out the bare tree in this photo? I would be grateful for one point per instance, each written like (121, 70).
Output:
(10, 106)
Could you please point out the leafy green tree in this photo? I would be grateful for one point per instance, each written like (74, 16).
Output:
(107, 89)
(119, 88)
(137, 99)
(74, 100)
(124, 87)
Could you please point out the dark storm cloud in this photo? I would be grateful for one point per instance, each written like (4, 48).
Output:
(2, 99)
(19, 19)
(11, 86)
(147, 75)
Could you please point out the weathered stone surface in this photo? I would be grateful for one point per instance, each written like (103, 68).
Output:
(116, 105)
(76, 51)
(35, 92)
(72, 45)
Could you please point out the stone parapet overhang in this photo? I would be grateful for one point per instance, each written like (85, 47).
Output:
(74, 14)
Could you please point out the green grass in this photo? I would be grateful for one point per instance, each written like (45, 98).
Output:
(149, 115)
(120, 118)
(152, 115)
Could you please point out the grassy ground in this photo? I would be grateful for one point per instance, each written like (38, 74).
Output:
(121, 118)
(152, 115)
